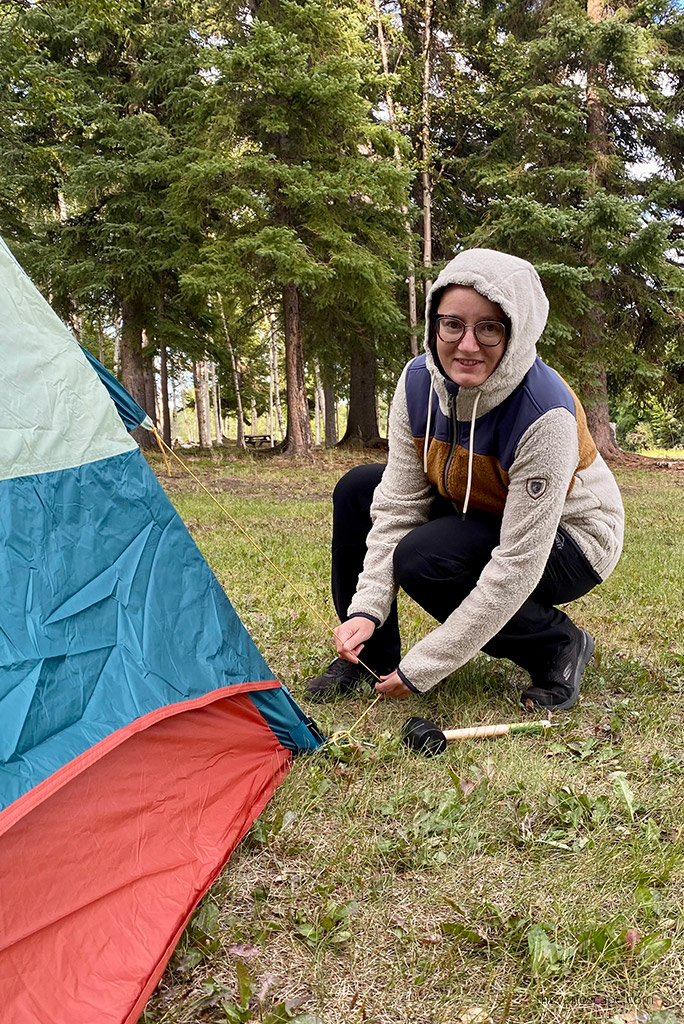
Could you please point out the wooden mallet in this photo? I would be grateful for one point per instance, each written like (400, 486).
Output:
(429, 739)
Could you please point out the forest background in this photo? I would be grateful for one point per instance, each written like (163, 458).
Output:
(229, 200)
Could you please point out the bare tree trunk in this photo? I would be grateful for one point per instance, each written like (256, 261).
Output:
(132, 370)
(276, 374)
(174, 413)
(425, 176)
(271, 406)
(206, 395)
(164, 397)
(317, 419)
(132, 366)
(411, 277)
(412, 304)
(330, 416)
(100, 344)
(118, 327)
(202, 404)
(236, 378)
(600, 147)
(189, 429)
(150, 404)
(216, 393)
(75, 317)
(298, 437)
(253, 426)
(320, 401)
(362, 424)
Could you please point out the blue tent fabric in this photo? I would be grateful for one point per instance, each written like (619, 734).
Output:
(141, 730)
(121, 616)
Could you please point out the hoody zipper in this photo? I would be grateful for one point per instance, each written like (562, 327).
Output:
(454, 442)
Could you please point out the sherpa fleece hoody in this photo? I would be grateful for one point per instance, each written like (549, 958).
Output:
(517, 445)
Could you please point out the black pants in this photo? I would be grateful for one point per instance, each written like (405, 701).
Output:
(439, 563)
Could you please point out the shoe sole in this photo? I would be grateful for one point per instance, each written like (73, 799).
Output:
(585, 655)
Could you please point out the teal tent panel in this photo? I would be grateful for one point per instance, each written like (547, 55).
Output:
(116, 614)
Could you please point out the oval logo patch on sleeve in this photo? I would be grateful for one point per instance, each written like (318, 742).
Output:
(536, 486)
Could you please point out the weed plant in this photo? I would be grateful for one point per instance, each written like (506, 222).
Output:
(530, 880)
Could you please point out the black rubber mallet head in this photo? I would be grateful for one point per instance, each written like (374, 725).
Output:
(429, 739)
(425, 736)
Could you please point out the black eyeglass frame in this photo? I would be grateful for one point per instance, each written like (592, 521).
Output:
(486, 344)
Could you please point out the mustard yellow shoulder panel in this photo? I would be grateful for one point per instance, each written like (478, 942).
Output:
(587, 448)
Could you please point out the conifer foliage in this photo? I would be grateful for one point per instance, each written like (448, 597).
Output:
(197, 185)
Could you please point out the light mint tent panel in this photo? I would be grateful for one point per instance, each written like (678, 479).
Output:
(55, 414)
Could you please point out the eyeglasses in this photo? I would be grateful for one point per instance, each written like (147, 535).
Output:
(489, 333)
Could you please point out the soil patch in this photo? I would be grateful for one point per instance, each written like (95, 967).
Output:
(632, 460)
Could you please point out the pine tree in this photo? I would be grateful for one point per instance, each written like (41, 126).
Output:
(302, 200)
(570, 106)
(104, 98)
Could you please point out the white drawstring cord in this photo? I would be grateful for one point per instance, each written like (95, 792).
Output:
(470, 454)
(427, 428)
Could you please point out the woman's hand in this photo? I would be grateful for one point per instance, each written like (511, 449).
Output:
(351, 637)
(392, 686)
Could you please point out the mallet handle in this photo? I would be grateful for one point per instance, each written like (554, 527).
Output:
(476, 732)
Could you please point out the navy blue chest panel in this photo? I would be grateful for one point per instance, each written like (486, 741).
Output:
(498, 432)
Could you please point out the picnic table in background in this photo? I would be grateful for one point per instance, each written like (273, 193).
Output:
(258, 440)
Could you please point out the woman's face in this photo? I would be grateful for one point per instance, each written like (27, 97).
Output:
(466, 362)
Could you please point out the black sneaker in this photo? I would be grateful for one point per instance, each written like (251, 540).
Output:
(559, 687)
(339, 679)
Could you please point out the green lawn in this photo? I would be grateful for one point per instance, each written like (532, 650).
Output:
(538, 879)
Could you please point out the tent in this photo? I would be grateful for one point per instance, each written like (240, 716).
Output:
(141, 732)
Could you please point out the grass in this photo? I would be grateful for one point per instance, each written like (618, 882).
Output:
(664, 453)
(528, 880)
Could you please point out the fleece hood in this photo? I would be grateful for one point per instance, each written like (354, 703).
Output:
(514, 284)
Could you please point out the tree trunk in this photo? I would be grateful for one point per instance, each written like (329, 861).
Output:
(270, 425)
(425, 176)
(600, 147)
(317, 419)
(132, 365)
(150, 404)
(164, 397)
(189, 428)
(276, 374)
(236, 378)
(362, 424)
(216, 395)
(320, 401)
(202, 404)
(174, 413)
(330, 416)
(206, 394)
(118, 327)
(598, 417)
(411, 276)
(74, 314)
(298, 437)
(132, 369)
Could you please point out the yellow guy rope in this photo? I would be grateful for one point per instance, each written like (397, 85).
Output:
(345, 734)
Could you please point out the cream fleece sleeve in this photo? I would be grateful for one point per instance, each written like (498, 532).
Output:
(545, 461)
(401, 501)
